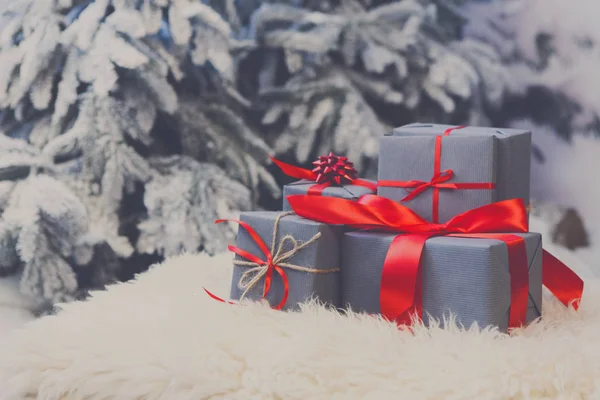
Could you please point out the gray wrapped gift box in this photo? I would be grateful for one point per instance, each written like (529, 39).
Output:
(512, 159)
(406, 158)
(469, 277)
(322, 255)
(350, 192)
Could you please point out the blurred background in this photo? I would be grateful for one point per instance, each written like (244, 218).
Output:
(128, 126)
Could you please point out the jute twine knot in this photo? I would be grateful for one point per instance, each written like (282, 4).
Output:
(278, 256)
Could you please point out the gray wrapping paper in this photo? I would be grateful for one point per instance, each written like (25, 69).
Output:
(469, 277)
(472, 160)
(321, 255)
(350, 192)
(513, 154)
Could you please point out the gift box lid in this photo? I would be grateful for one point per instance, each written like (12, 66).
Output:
(323, 253)
(437, 129)
(348, 191)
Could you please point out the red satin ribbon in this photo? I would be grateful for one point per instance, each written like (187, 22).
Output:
(401, 282)
(217, 298)
(437, 182)
(562, 282)
(268, 263)
(306, 174)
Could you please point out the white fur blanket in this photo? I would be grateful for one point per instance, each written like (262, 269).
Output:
(161, 337)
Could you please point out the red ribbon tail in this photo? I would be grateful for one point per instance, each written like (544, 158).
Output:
(416, 191)
(286, 287)
(561, 281)
(293, 171)
(217, 298)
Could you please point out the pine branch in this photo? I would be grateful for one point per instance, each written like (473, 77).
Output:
(328, 111)
(183, 199)
(388, 52)
(44, 234)
(225, 139)
(17, 159)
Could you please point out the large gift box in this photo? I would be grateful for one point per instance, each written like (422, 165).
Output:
(482, 266)
(347, 191)
(305, 254)
(469, 277)
(440, 171)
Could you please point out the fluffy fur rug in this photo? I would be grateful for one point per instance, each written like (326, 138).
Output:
(161, 337)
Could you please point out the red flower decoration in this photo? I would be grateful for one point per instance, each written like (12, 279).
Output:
(334, 169)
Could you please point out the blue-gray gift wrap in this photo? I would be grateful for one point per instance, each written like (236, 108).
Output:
(307, 252)
(476, 157)
(466, 276)
(346, 191)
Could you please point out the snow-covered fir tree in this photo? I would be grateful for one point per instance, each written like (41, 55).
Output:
(129, 126)
(551, 51)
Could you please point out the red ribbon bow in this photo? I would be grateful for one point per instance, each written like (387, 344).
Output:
(438, 181)
(401, 277)
(268, 262)
(329, 170)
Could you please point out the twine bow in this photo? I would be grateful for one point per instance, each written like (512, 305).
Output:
(275, 260)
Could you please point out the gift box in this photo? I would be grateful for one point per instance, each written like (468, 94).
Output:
(407, 159)
(347, 191)
(311, 271)
(487, 164)
(467, 276)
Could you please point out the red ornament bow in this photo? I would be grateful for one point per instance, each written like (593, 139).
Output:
(334, 169)
(329, 170)
(401, 277)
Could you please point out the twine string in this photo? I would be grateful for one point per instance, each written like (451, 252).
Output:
(279, 255)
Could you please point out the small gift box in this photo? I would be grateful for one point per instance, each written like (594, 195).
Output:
(346, 191)
(441, 171)
(332, 176)
(286, 259)
(469, 277)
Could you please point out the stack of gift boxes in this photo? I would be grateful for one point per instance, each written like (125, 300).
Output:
(434, 173)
